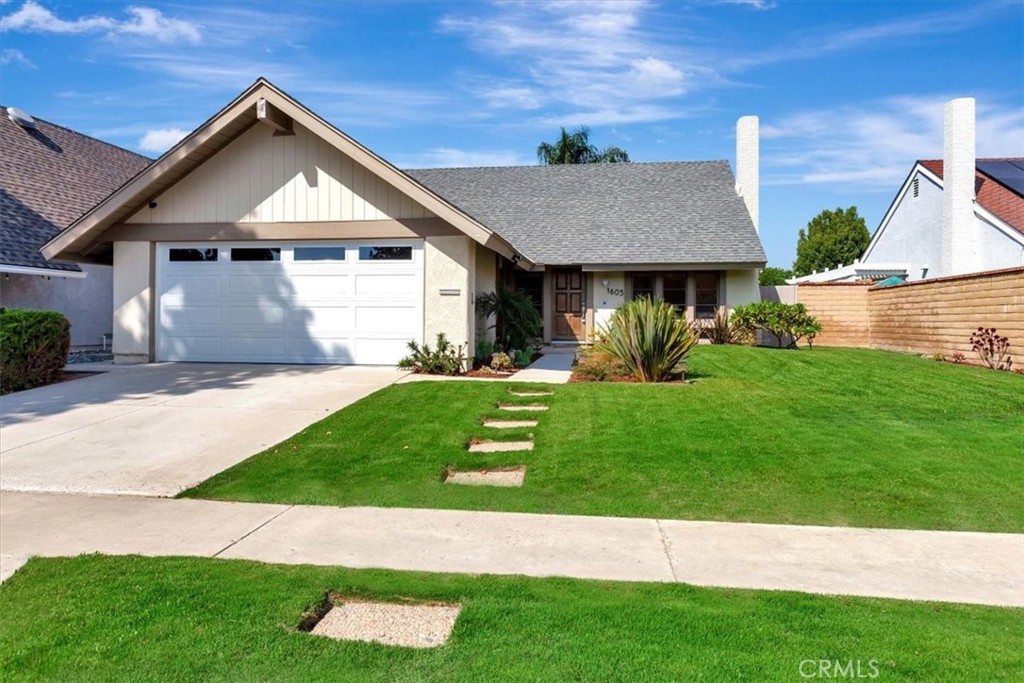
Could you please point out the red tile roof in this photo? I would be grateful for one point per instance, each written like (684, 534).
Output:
(991, 195)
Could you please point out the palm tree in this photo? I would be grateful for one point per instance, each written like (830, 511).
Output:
(575, 148)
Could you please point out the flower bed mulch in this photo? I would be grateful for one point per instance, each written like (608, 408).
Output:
(480, 370)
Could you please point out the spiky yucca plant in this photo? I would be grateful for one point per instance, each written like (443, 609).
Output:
(649, 337)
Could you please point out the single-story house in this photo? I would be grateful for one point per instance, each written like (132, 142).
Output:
(49, 176)
(268, 235)
(951, 216)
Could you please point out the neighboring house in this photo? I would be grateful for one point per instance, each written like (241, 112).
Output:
(49, 176)
(943, 224)
(267, 235)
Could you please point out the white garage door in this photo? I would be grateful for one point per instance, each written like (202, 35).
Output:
(351, 302)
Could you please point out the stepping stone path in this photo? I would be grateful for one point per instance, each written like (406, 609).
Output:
(500, 446)
(388, 623)
(511, 477)
(509, 424)
(534, 407)
(508, 478)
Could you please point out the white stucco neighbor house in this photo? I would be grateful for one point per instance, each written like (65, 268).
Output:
(951, 216)
(268, 235)
(49, 176)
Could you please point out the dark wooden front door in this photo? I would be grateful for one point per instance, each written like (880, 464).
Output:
(568, 316)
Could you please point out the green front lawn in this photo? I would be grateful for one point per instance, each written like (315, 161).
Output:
(190, 619)
(846, 437)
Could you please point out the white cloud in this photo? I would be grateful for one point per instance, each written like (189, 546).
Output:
(10, 55)
(755, 4)
(161, 139)
(873, 145)
(143, 22)
(450, 157)
(573, 57)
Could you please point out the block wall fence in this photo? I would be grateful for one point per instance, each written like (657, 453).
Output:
(925, 316)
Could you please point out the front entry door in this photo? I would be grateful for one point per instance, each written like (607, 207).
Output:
(568, 318)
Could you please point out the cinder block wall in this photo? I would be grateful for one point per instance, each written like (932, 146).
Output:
(842, 308)
(924, 316)
(938, 316)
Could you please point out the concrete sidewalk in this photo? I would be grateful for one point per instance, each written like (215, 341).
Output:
(919, 565)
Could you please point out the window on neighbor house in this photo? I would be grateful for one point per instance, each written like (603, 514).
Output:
(643, 285)
(673, 287)
(706, 289)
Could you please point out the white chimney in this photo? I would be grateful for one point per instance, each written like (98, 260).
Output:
(747, 165)
(961, 252)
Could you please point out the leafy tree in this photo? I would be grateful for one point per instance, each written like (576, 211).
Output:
(831, 238)
(774, 276)
(575, 148)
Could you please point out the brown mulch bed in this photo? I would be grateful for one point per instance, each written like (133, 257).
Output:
(482, 370)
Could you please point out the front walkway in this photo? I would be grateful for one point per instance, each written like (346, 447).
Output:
(920, 565)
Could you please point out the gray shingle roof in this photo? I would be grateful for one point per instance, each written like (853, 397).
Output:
(49, 177)
(677, 212)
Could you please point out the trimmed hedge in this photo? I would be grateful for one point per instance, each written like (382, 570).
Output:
(33, 348)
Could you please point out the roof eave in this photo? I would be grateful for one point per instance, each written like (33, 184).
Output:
(73, 242)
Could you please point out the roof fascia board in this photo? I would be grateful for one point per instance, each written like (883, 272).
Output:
(137, 185)
(998, 223)
(392, 175)
(918, 168)
(49, 272)
(60, 246)
(636, 267)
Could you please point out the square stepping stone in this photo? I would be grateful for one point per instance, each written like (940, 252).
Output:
(535, 407)
(500, 446)
(509, 424)
(389, 623)
(507, 477)
(531, 394)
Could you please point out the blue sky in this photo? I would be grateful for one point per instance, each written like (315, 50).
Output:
(849, 93)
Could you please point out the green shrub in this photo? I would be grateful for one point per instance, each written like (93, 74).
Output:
(593, 365)
(788, 322)
(649, 337)
(522, 357)
(722, 330)
(516, 322)
(501, 361)
(484, 349)
(33, 348)
(445, 359)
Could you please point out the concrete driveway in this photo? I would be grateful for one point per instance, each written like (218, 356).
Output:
(158, 429)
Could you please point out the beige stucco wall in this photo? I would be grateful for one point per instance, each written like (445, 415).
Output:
(606, 298)
(132, 301)
(265, 178)
(449, 264)
(486, 281)
(741, 287)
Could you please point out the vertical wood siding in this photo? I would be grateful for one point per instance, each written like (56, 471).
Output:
(262, 178)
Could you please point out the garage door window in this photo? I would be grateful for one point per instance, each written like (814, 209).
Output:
(319, 253)
(191, 255)
(256, 254)
(385, 253)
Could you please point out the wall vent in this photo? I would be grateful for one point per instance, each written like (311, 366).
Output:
(917, 188)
